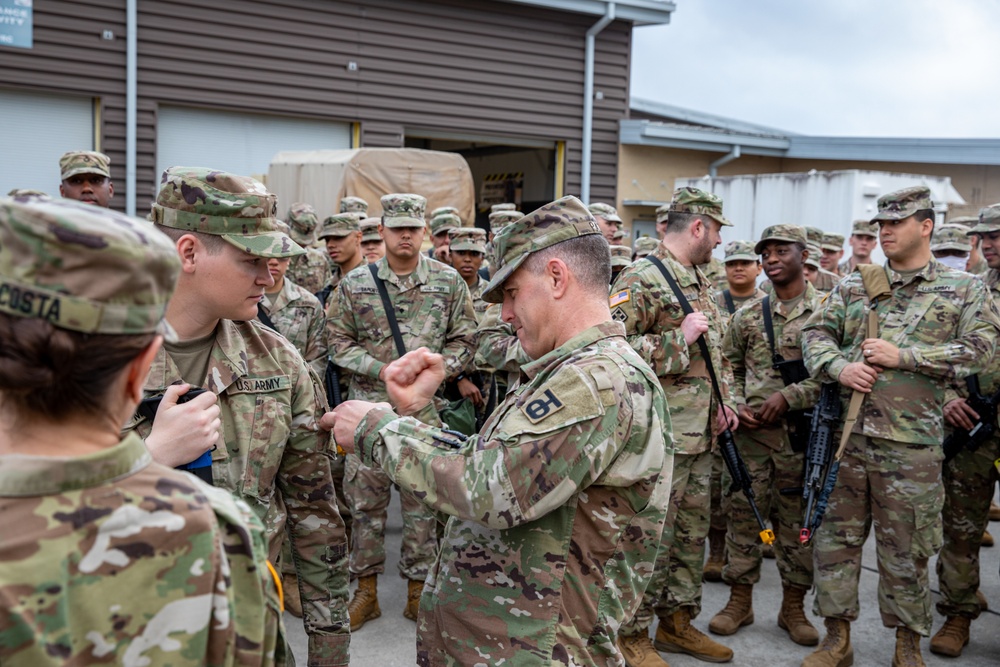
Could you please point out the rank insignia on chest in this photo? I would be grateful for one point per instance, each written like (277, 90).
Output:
(542, 407)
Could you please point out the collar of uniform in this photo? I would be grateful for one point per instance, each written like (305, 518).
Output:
(22, 475)
(386, 274)
(225, 366)
(682, 274)
(581, 340)
(928, 273)
(807, 302)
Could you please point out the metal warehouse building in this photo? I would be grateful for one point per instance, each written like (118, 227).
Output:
(230, 83)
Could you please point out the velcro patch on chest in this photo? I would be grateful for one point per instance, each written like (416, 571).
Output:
(924, 289)
(543, 406)
(619, 298)
(433, 289)
(364, 289)
(250, 385)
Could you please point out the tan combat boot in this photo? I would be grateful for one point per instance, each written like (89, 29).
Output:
(737, 612)
(290, 592)
(638, 651)
(907, 649)
(836, 649)
(952, 637)
(675, 634)
(994, 511)
(364, 604)
(987, 539)
(716, 555)
(792, 617)
(413, 592)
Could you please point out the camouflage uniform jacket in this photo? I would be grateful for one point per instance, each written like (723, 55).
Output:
(945, 325)
(478, 305)
(643, 301)
(989, 379)
(738, 301)
(754, 379)
(433, 310)
(497, 346)
(274, 456)
(556, 509)
(112, 558)
(310, 271)
(715, 271)
(980, 268)
(299, 317)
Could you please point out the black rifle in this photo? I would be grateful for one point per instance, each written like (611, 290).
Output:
(331, 379)
(792, 371)
(983, 430)
(820, 468)
(201, 467)
(727, 444)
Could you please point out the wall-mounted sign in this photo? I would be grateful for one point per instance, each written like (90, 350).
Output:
(15, 23)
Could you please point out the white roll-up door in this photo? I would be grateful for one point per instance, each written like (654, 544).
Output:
(240, 143)
(37, 129)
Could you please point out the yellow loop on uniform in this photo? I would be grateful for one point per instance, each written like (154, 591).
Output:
(277, 584)
(766, 536)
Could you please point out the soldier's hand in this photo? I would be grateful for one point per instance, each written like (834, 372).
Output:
(183, 432)
(344, 419)
(413, 379)
(881, 353)
(726, 418)
(468, 389)
(443, 254)
(960, 414)
(773, 408)
(748, 419)
(858, 376)
(694, 325)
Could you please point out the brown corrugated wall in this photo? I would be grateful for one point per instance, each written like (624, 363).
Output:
(472, 67)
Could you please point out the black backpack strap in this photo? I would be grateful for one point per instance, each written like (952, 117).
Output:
(390, 312)
(265, 318)
(730, 305)
(769, 326)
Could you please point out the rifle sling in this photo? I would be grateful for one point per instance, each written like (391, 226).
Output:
(730, 304)
(264, 318)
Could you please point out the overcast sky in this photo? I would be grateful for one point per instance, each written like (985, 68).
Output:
(911, 68)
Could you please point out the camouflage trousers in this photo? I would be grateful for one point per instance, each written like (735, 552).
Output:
(718, 520)
(969, 480)
(337, 472)
(898, 486)
(770, 470)
(676, 580)
(368, 491)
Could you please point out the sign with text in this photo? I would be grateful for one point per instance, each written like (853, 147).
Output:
(15, 23)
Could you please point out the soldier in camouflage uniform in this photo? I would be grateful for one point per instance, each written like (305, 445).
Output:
(372, 245)
(938, 325)
(607, 219)
(441, 224)
(354, 205)
(950, 246)
(864, 236)
(666, 338)
(468, 247)
(643, 246)
(969, 480)
(525, 575)
(977, 263)
(621, 256)
(108, 557)
(832, 246)
(86, 176)
(270, 450)
(311, 269)
(764, 440)
(742, 268)
(433, 309)
(342, 235)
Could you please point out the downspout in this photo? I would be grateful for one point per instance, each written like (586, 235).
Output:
(588, 99)
(131, 58)
(713, 168)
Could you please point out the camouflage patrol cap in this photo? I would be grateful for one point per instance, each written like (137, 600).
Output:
(467, 238)
(951, 237)
(354, 205)
(815, 252)
(561, 220)
(662, 212)
(444, 223)
(369, 229)
(901, 204)
(500, 219)
(441, 210)
(967, 221)
(619, 234)
(740, 251)
(303, 221)
(403, 210)
(84, 162)
(342, 224)
(25, 192)
(621, 256)
(832, 242)
(237, 208)
(645, 245)
(864, 228)
(606, 211)
(697, 202)
(785, 233)
(83, 268)
(814, 236)
(506, 206)
(989, 220)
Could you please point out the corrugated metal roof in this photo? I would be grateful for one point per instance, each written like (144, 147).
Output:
(691, 116)
(640, 12)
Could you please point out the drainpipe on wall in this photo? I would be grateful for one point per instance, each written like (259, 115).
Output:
(131, 57)
(713, 168)
(588, 99)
